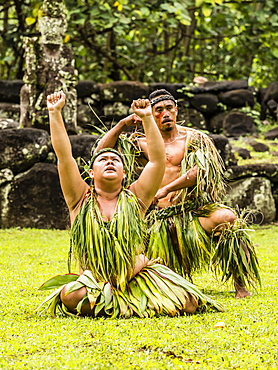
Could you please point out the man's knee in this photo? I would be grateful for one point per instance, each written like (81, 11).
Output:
(218, 220)
(223, 216)
(71, 300)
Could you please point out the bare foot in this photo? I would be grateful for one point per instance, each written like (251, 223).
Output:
(241, 291)
(191, 304)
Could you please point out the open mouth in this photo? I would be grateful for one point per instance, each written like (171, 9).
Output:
(110, 168)
(167, 120)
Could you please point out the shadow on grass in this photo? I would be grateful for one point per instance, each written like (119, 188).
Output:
(217, 293)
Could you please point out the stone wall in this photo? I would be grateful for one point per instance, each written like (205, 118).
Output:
(30, 194)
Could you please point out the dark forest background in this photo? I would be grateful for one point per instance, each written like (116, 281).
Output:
(154, 41)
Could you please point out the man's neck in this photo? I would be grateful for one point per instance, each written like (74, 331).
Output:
(108, 192)
(170, 135)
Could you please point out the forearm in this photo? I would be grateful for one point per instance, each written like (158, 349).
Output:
(185, 181)
(59, 137)
(109, 140)
(155, 144)
(141, 261)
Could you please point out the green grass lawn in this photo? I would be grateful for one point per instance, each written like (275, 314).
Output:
(249, 339)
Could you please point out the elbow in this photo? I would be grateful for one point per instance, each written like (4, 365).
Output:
(99, 146)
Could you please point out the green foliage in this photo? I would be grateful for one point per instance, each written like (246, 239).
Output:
(247, 341)
(254, 113)
(185, 90)
(167, 41)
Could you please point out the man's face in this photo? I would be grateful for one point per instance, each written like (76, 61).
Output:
(165, 115)
(109, 166)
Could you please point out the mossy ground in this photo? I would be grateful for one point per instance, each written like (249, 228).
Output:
(249, 339)
(270, 156)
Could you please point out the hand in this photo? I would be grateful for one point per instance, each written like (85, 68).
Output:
(131, 120)
(141, 261)
(161, 193)
(56, 101)
(142, 107)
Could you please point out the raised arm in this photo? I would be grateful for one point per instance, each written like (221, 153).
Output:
(73, 186)
(150, 179)
(109, 140)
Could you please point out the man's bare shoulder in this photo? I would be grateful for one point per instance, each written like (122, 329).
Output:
(142, 145)
(193, 131)
(141, 142)
(142, 139)
(74, 208)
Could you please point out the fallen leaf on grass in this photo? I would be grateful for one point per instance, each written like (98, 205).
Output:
(220, 324)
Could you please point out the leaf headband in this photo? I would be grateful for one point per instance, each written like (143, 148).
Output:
(104, 150)
(161, 98)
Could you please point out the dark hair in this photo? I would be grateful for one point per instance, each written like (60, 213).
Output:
(159, 92)
(104, 150)
(160, 95)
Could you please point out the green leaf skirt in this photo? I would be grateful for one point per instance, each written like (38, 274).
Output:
(177, 237)
(155, 291)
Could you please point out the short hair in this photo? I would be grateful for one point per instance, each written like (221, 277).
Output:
(160, 95)
(159, 92)
(104, 150)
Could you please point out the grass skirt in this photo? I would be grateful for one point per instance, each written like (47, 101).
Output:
(154, 291)
(177, 237)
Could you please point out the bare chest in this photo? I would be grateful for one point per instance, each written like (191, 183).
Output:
(107, 208)
(174, 153)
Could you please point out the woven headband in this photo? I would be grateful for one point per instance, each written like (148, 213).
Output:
(161, 98)
(104, 150)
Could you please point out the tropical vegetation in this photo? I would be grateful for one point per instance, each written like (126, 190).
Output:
(154, 41)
